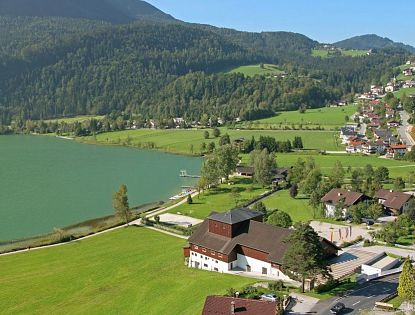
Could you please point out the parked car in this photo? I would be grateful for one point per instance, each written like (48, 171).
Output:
(337, 308)
(368, 221)
(269, 297)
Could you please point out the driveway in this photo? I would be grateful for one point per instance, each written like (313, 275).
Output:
(393, 250)
(362, 298)
(302, 304)
(403, 130)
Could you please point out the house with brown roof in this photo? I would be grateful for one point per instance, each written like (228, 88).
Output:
(341, 197)
(226, 305)
(394, 202)
(238, 240)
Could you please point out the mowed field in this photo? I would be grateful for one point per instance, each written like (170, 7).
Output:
(326, 117)
(407, 91)
(324, 53)
(253, 70)
(128, 271)
(220, 199)
(70, 120)
(181, 140)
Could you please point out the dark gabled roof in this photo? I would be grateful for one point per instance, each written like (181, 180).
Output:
(348, 131)
(256, 235)
(336, 195)
(235, 215)
(393, 199)
(245, 169)
(221, 305)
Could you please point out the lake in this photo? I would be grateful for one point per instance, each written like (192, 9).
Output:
(48, 182)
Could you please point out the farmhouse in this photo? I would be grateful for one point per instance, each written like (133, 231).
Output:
(238, 241)
(226, 305)
(245, 171)
(393, 202)
(340, 197)
(346, 133)
(397, 150)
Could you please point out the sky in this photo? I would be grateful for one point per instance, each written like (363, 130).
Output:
(326, 21)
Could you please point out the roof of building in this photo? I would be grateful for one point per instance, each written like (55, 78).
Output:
(393, 199)
(336, 195)
(235, 215)
(245, 169)
(221, 305)
(348, 131)
(256, 235)
(383, 262)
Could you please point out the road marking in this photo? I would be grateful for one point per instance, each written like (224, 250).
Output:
(356, 303)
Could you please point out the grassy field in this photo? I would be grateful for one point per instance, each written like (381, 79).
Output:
(180, 141)
(298, 208)
(324, 53)
(219, 199)
(128, 271)
(253, 70)
(401, 92)
(327, 117)
(326, 162)
(74, 119)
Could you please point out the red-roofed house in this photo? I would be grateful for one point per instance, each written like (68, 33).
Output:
(397, 150)
(237, 240)
(345, 198)
(226, 305)
(393, 201)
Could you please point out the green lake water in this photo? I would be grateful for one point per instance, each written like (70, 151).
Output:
(47, 182)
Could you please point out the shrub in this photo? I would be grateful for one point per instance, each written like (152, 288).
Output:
(329, 285)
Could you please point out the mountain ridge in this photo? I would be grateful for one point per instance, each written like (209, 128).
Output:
(372, 41)
(114, 11)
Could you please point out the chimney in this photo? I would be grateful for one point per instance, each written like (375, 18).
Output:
(339, 194)
(233, 307)
(237, 294)
(391, 190)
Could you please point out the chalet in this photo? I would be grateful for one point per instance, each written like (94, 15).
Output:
(369, 148)
(375, 123)
(245, 171)
(407, 72)
(408, 84)
(385, 135)
(390, 87)
(226, 305)
(397, 150)
(279, 177)
(376, 90)
(238, 241)
(345, 198)
(346, 133)
(389, 113)
(393, 124)
(393, 202)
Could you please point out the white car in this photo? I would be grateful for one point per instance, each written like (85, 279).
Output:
(269, 297)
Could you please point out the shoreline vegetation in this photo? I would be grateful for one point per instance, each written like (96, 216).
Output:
(75, 231)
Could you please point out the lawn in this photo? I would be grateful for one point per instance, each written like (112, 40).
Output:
(324, 53)
(70, 120)
(396, 302)
(406, 240)
(326, 117)
(128, 271)
(407, 91)
(298, 208)
(182, 141)
(220, 199)
(253, 70)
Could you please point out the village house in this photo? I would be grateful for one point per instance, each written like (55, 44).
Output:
(390, 87)
(343, 198)
(393, 124)
(238, 241)
(397, 150)
(394, 202)
(245, 171)
(227, 305)
(376, 90)
(407, 72)
(346, 133)
(385, 135)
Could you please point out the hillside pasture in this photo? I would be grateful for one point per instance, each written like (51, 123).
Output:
(253, 70)
(326, 117)
(70, 120)
(324, 53)
(128, 271)
(407, 91)
(181, 141)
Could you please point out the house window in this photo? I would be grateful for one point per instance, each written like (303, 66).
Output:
(216, 269)
(216, 261)
(264, 271)
(205, 265)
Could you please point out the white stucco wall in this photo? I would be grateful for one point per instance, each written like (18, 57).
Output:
(256, 265)
(207, 263)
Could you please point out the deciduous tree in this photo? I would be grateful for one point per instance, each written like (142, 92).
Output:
(120, 203)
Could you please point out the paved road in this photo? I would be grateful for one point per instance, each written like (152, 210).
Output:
(403, 129)
(362, 298)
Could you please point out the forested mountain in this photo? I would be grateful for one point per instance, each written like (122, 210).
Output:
(372, 41)
(57, 66)
(115, 11)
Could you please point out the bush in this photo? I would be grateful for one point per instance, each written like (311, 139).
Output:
(329, 285)
(276, 286)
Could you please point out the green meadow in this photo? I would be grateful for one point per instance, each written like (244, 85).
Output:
(253, 70)
(128, 271)
(326, 117)
(220, 199)
(401, 92)
(182, 141)
(324, 53)
(70, 120)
